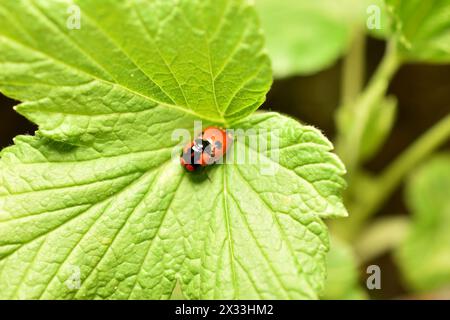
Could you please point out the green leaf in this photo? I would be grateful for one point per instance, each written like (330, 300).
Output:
(302, 36)
(423, 28)
(376, 11)
(424, 257)
(342, 282)
(133, 222)
(305, 36)
(95, 198)
(202, 59)
(379, 125)
(380, 122)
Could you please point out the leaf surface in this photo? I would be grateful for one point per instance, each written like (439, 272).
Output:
(203, 59)
(96, 194)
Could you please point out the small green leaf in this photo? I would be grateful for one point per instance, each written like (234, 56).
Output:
(423, 28)
(94, 205)
(342, 281)
(379, 125)
(425, 255)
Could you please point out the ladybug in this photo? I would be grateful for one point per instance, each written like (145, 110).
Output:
(207, 149)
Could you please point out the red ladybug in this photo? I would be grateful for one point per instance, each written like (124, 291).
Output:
(206, 149)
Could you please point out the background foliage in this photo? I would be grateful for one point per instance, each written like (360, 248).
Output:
(376, 108)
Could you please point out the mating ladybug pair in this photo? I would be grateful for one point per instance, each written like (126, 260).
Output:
(206, 149)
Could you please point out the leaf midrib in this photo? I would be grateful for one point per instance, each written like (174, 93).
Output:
(229, 234)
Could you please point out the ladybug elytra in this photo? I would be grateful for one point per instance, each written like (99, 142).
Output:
(205, 150)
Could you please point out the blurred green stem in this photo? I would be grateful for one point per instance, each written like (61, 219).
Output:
(369, 200)
(350, 134)
(381, 236)
(389, 180)
(353, 69)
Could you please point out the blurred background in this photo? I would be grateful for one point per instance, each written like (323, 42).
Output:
(423, 93)
(324, 54)
(318, 48)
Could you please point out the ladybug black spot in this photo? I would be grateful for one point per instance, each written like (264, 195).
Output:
(192, 157)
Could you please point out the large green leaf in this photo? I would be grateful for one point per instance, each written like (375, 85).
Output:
(424, 257)
(194, 58)
(424, 29)
(96, 193)
(133, 222)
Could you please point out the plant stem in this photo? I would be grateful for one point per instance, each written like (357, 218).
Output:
(408, 160)
(381, 236)
(353, 69)
(349, 143)
(372, 199)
